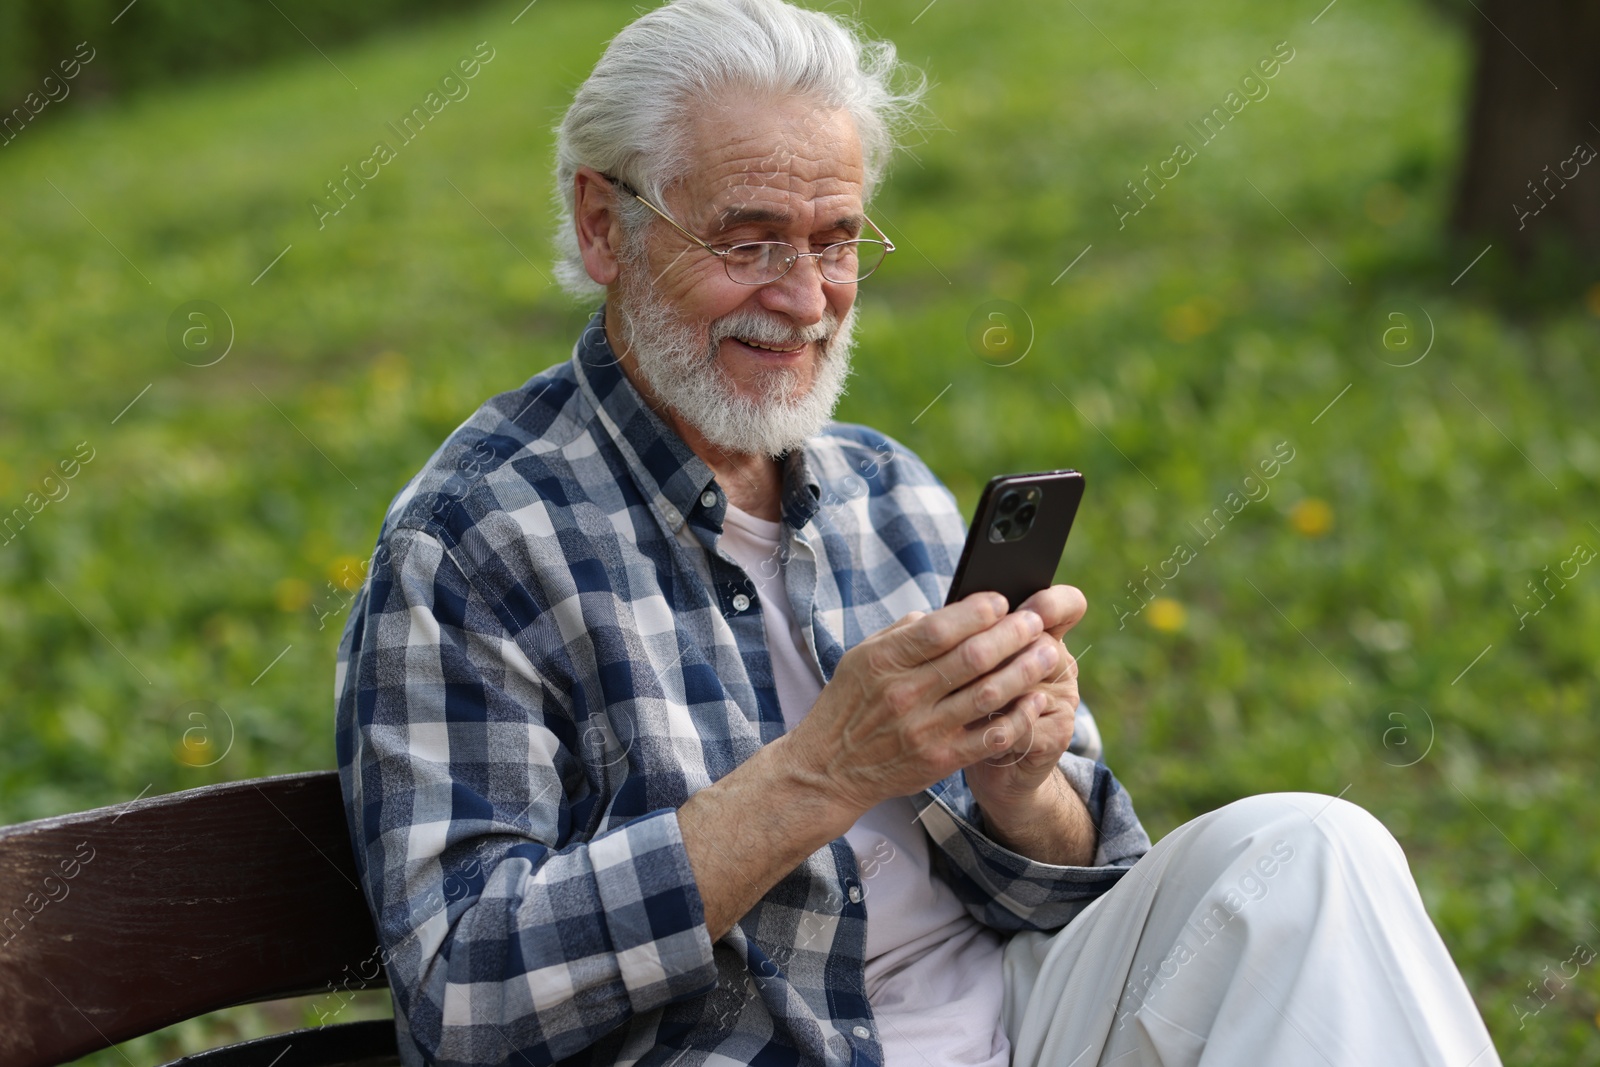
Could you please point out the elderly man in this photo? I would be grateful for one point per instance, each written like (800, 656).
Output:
(658, 746)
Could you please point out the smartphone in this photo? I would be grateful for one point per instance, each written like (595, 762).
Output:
(1017, 535)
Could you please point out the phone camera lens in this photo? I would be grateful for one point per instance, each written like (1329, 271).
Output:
(1024, 514)
(1000, 530)
(1009, 501)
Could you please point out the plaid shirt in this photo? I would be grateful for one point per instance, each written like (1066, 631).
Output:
(550, 656)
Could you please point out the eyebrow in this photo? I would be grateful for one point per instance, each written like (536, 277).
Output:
(739, 216)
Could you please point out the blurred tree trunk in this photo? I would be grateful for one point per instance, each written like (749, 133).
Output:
(1531, 172)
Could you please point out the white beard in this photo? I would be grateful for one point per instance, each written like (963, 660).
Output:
(678, 358)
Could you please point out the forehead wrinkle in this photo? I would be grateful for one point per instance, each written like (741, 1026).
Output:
(773, 165)
(807, 203)
(738, 216)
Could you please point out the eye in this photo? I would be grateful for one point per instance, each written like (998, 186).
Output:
(750, 253)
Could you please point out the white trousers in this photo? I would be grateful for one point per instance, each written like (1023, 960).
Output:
(1282, 929)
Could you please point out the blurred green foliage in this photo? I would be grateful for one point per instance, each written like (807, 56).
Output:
(150, 42)
(1353, 631)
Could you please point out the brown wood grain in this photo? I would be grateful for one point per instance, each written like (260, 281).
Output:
(119, 921)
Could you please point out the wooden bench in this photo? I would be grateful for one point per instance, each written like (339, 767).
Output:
(119, 921)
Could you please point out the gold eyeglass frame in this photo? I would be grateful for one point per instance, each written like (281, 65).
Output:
(795, 257)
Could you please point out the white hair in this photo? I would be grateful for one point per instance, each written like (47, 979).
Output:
(629, 117)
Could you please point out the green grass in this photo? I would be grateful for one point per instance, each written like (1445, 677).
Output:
(219, 510)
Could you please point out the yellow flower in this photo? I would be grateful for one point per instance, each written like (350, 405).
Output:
(291, 594)
(193, 753)
(347, 572)
(1311, 517)
(1165, 614)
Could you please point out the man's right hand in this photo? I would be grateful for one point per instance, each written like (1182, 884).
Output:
(921, 699)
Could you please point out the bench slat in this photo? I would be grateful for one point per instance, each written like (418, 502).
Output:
(119, 921)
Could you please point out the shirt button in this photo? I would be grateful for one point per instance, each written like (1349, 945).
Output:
(740, 602)
(855, 894)
(709, 498)
(671, 514)
(862, 1032)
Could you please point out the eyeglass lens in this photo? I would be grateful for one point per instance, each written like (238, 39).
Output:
(765, 261)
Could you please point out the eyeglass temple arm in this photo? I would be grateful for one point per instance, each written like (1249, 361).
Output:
(625, 187)
(888, 245)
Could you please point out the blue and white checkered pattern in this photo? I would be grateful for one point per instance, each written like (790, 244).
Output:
(550, 656)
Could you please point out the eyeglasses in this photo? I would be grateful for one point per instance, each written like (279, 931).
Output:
(763, 262)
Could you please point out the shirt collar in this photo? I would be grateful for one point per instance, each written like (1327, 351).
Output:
(666, 470)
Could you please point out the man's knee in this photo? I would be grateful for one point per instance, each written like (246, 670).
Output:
(1316, 818)
(1307, 820)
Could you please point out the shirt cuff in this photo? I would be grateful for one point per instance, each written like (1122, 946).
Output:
(1014, 892)
(653, 911)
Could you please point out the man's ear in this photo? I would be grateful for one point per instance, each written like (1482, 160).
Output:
(599, 231)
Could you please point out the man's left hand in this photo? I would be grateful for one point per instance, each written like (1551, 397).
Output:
(1012, 780)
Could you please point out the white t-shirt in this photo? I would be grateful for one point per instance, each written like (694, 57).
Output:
(933, 977)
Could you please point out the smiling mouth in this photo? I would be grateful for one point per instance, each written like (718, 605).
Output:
(770, 348)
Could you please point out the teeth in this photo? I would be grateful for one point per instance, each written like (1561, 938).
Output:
(767, 348)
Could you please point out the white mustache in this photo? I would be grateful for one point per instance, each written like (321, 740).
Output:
(749, 326)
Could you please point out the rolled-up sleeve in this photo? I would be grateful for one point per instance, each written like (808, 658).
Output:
(509, 933)
(1010, 891)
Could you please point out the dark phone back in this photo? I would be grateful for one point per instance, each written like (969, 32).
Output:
(1019, 567)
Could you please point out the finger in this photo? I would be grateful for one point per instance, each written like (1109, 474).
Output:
(1053, 724)
(1036, 709)
(1049, 734)
(983, 654)
(1037, 659)
(1004, 732)
(1068, 671)
(925, 639)
(1060, 606)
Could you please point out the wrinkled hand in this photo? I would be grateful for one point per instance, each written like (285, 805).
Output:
(1012, 777)
(930, 694)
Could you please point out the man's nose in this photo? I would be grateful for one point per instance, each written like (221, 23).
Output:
(800, 293)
